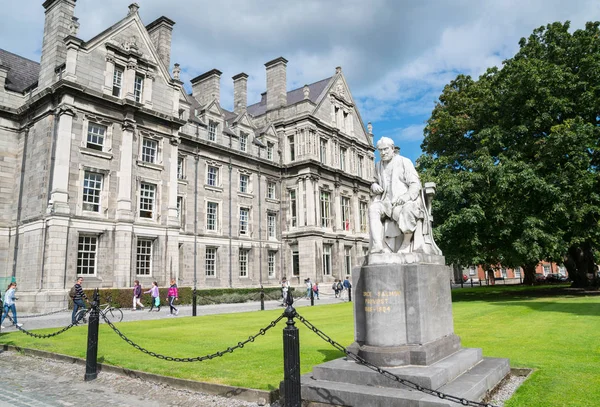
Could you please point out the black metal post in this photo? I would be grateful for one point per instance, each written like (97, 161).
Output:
(312, 296)
(350, 294)
(194, 302)
(91, 359)
(471, 282)
(291, 358)
(262, 298)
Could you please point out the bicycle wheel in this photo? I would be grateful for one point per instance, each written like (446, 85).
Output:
(114, 315)
(80, 316)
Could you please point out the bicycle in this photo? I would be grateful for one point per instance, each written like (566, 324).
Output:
(113, 314)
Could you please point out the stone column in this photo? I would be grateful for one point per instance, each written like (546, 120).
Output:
(129, 79)
(172, 206)
(148, 84)
(59, 195)
(301, 202)
(73, 45)
(124, 209)
(109, 72)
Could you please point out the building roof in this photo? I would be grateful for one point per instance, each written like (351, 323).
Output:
(293, 96)
(22, 72)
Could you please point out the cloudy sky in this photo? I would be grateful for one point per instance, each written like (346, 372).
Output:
(396, 54)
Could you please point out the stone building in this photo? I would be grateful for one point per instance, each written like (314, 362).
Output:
(110, 170)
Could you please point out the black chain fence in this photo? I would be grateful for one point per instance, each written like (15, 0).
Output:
(230, 349)
(43, 315)
(389, 374)
(45, 336)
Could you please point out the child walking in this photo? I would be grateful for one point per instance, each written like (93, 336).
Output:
(137, 295)
(9, 304)
(172, 296)
(155, 297)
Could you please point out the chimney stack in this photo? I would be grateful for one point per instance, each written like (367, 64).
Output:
(206, 87)
(59, 19)
(161, 31)
(240, 93)
(276, 83)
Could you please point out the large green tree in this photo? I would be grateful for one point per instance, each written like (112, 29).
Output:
(515, 155)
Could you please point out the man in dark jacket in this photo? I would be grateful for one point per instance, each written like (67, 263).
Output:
(78, 300)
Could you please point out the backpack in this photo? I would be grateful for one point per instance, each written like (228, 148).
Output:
(72, 292)
(340, 286)
(315, 288)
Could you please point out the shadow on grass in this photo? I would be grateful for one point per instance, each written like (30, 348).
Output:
(517, 293)
(330, 354)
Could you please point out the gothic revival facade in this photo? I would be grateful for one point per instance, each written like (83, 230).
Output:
(112, 171)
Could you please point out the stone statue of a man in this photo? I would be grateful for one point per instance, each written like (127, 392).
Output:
(398, 210)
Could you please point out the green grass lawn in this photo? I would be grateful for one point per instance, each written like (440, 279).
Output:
(558, 335)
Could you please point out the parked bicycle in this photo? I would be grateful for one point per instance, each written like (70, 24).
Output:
(113, 314)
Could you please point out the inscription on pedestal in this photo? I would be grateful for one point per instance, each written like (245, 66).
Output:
(381, 301)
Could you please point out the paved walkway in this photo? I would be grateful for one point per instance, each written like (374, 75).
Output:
(39, 382)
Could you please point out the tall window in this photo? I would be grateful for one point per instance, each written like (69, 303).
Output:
(210, 261)
(117, 81)
(143, 263)
(87, 251)
(295, 262)
(345, 213)
(517, 271)
(271, 190)
(323, 151)
(212, 130)
(243, 259)
(325, 209)
(138, 87)
(92, 190)
(180, 167)
(271, 263)
(147, 200)
(149, 150)
(503, 271)
(244, 180)
(271, 225)
(472, 270)
(95, 136)
(180, 209)
(244, 216)
(293, 208)
(326, 260)
(348, 260)
(343, 159)
(212, 211)
(270, 148)
(361, 162)
(292, 148)
(363, 208)
(546, 268)
(243, 141)
(212, 177)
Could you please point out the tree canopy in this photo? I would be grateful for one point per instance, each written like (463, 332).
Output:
(515, 156)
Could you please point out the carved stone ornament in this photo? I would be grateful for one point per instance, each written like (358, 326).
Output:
(176, 71)
(175, 141)
(306, 91)
(74, 26)
(65, 109)
(128, 125)
(130, 44)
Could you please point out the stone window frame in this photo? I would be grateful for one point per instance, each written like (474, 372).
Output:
(327, 263)
(323, 148)
(181, 161)
(243, 143)
(219, 179)
(271, 262)
(248, 222)
(119, 59)
(148, 257)
(244, 262)
(271, 189)
(249, 191)
(90, 120)
(293, 207)
(218, 214)
(271, 225)
(270, 151)
(346, 213)
(104, 193)
(291, 140)
(295, 260)
(156, 200)
(210, 262)
(118, 81)
(363, 213)
(181, 206)
(138, 87)
(326, 218)
(212, 130)
(144, 135)
(347, 260)
(80, 253)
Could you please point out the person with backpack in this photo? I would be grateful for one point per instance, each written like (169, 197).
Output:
(285, 286)
(172, 295)
(315, 289)
(77, 295)
(155, 297)
(347, 285)
(137, 295)
(9, 305)
(340, 288)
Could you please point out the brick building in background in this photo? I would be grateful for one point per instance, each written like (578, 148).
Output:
(112, 171)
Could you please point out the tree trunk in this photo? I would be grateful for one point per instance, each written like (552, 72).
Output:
(579, 262)
(529, 270)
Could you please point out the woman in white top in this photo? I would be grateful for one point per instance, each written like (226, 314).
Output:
(9, 304)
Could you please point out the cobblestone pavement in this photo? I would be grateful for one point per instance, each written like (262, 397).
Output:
(40, 382)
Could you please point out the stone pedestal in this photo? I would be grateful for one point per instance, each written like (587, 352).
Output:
(403, 324)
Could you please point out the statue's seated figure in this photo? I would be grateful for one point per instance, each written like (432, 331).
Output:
(400, 214)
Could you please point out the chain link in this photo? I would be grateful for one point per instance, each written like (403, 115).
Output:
(230, 349)
(43, 315)
(46, 336)
(387, 373)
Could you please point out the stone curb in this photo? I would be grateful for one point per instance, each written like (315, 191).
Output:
(241, 393)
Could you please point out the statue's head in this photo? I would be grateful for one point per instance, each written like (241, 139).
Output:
(385, 146)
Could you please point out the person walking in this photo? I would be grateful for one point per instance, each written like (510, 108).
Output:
(285, 286)
(308, 288)
(315, 289)
(78, 303)
(137, 295)
(347, 285)
(9, 305)
(172, 295)
(334, 287)
(155, 297)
